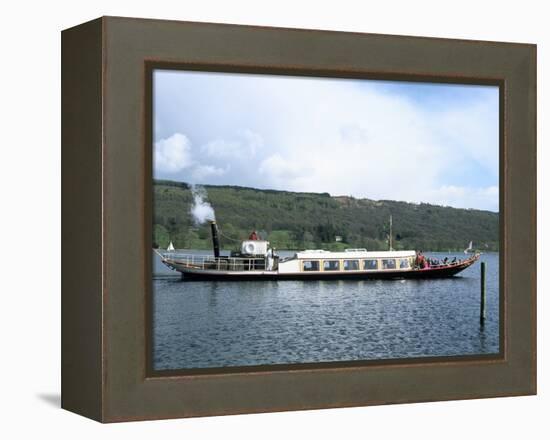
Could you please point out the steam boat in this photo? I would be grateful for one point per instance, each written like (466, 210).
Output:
(256, 260)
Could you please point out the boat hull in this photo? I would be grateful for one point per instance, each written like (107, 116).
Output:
(192, 274)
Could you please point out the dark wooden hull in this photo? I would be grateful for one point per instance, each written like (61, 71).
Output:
(429, 273)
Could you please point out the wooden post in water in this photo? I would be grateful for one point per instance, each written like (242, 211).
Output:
(482, 313)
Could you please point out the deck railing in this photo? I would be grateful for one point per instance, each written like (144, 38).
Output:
(215, 263)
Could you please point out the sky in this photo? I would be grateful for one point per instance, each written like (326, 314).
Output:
(382, 140)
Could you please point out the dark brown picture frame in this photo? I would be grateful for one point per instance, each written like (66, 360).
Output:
(106, 210)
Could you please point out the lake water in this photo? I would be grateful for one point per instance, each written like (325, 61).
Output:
(220, 324)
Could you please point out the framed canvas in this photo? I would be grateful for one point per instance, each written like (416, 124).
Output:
(350, 219)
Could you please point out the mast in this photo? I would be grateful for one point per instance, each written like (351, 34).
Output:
(391, 233)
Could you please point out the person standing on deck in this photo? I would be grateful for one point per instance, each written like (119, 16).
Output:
(253, 236)
(421, 260)
(270, 259)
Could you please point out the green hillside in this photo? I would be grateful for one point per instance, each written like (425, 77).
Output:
(310, 220)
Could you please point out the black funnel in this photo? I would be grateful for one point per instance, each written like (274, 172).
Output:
(215, 238)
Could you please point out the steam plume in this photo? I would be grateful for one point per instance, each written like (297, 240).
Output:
(201, 210)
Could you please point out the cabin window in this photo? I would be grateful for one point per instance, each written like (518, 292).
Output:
(311, 266)
(388, 264)
(370, 264)
(331, 265)
(351, 264)
(404, 263)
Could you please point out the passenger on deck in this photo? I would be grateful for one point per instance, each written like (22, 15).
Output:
(421, 260)
(270, 259)
(253, 236)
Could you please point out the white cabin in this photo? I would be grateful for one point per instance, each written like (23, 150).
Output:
(350, 260)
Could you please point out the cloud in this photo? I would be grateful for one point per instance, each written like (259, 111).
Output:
(359, 142)
(354, 134)
(347, 137)
(172, 154)
(254, 140)
(201, 172)
(467, 197)
(275, 168)
(245, 144)
(471, 133)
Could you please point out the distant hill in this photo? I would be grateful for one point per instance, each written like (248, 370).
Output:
(292, 220)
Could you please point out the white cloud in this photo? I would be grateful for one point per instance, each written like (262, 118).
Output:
(278, 169)
(221, 148)
(365, 143)
(172, 154)
(467, 197)
(338, 136)
(359, 142)
(245, 144)
(254, 141)
(473, 132)
(201, 172)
